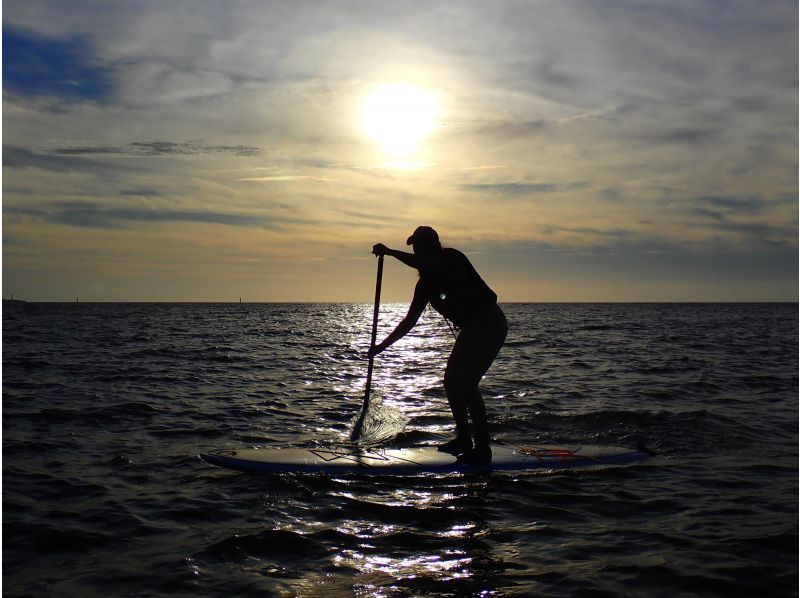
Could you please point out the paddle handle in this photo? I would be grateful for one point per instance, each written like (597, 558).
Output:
(360, 423)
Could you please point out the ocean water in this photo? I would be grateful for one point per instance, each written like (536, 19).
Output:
(106, 406)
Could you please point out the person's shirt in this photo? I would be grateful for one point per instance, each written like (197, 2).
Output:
(455, 289)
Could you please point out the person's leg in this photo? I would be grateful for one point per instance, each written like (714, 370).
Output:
(474, 369)
(471, 358)
(456, 397)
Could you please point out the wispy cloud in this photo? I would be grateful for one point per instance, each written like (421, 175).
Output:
(692, 136)
(521, 189)
(141, 192)
(159, 148)
(733, 203)
(289, 178)
(20, 158)
(511, 188)
(88, 215)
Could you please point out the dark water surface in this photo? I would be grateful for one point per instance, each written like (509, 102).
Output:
(105, 408)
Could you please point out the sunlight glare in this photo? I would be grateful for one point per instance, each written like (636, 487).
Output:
(398, 117)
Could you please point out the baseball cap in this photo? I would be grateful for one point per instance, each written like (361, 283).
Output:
(424, 235)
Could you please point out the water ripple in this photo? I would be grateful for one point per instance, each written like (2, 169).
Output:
(105, 408)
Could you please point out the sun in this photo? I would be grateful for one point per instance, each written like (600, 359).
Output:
(398, 117)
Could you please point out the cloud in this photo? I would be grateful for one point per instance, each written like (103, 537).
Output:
(75, 160)
(21, 158)
(90, 215)
(284, 179)
(521, 189)
(724, 207)
(692, 136)
(479, 167)
(511, 188)
(755, 217)
(734, 203)
(143, 192)
(160, 148)
(505, 129)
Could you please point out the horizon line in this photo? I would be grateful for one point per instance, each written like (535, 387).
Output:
(301, 302)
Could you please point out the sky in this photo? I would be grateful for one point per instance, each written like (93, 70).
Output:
(576, 150)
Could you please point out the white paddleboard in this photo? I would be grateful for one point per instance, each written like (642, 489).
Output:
(410, 461)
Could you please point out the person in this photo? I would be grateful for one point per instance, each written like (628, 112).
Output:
(452, 286)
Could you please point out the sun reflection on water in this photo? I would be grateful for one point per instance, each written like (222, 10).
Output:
(428, 530)
(453, 565)
(407, 377)
(372, 560)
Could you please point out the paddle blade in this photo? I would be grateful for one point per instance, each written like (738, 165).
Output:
(358, 428)
(378, 422)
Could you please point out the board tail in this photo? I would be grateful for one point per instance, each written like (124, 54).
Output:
(643, 449)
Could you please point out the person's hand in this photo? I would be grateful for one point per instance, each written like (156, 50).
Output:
(376, 350)
(379, 249)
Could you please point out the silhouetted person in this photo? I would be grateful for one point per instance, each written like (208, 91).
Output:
(451, 285)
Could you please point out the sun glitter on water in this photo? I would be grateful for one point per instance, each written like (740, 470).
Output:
(398, 117)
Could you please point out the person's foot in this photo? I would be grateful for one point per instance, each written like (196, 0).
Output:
(480, 455)
(456, 446)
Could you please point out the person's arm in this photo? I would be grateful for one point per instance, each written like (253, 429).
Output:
(415, 310)
(409, 259)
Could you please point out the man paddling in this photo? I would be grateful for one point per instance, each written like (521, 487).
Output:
(448, 281)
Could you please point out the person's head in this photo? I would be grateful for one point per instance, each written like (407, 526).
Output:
(425, 241)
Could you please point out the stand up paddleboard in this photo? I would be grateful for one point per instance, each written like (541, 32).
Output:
(410, 461)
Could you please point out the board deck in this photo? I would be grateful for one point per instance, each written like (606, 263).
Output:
(410, 461)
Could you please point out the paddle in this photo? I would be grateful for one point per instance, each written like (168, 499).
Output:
(356, 433)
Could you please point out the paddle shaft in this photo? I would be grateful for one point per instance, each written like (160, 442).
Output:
(360, 423)
(375, 312)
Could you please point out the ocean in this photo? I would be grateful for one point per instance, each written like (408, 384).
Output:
(106, 407)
